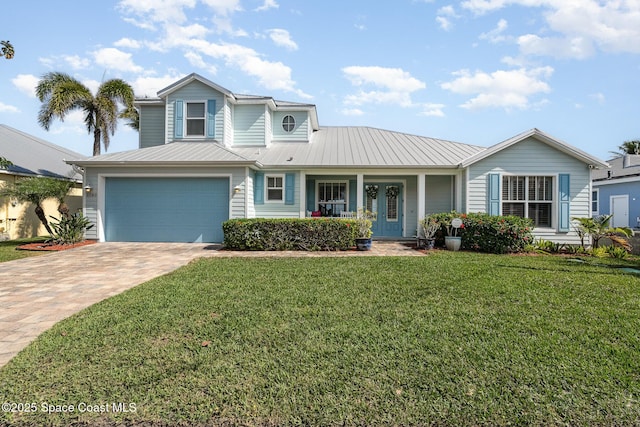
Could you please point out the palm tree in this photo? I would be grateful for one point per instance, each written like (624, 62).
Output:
(7, 49)
(35, 190)
(630, 147)
(61, 94)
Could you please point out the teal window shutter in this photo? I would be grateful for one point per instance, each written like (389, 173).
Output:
(178, 119)
(564, 196)
(493, 194)
(258, 188)
(211, 118)
(289, 188)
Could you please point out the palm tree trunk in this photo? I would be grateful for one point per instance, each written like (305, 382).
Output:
(96, 142)
(43, 219)
(63, 209)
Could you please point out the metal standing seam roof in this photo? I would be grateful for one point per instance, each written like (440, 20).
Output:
(330, 147)
(363, 147)
(32, 156)
(624, 166)
(175, 152)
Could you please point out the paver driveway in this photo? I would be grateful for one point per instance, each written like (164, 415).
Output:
(37, 292)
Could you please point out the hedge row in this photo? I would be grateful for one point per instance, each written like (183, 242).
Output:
(486, 233)
(289, 234)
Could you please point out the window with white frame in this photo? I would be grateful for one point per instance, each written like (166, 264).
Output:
(594, 201)
(332, 197)
(288, 123)
(195, 118)
(275, 188)
(528, 197)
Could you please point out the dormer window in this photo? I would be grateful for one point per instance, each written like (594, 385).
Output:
(195, 118)
(288, 123)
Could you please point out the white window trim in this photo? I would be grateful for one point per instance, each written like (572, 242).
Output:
(333, 181)
(597, 211)
(266, 188)
(554, 198)
(185, 118)
(295, 123)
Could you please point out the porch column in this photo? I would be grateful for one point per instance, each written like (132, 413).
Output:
(458, 186)
(303, 194)
(360, 191)
(421, 198)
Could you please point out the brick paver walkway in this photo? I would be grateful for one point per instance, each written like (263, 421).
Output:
(37, 292)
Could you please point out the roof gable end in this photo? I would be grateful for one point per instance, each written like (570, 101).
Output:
(542, 137)
(163, 93)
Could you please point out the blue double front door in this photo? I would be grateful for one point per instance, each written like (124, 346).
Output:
(384, 200)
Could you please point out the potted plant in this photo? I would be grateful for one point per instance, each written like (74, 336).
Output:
(363, 230)
(430, 227)
(452, 241)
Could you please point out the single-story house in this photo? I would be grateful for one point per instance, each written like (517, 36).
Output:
(617, 191)
(31, 157)
(207, 154)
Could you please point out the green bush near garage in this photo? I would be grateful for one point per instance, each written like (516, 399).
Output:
(289, 234)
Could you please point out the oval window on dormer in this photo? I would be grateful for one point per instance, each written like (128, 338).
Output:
(288, 124)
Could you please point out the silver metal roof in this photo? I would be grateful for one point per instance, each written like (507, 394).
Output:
(33, 156)
(362, 147)
(175, 152)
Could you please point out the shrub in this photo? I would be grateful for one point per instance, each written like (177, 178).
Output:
(69, 229)
(486, 233)
(306, 234)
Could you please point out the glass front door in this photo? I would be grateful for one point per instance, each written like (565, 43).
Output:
(384, 200)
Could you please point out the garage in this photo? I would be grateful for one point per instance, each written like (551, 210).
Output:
(165, 209)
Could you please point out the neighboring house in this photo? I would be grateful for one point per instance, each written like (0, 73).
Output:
(207, 155)
(617, 191)
(33, 156)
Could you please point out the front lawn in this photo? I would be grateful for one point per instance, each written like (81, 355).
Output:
(446, 339)
(8, 250)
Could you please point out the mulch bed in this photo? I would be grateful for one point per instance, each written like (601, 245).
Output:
(44, 246)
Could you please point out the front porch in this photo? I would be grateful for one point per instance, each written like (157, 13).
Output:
(397, 200)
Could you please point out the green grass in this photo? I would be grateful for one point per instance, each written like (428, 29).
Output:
(8, 250)
(445, 339)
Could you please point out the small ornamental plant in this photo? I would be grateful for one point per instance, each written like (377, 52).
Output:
(363, 224)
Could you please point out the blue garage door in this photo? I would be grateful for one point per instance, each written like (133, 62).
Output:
(166, 209)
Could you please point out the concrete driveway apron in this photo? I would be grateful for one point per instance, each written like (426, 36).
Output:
(37, 292)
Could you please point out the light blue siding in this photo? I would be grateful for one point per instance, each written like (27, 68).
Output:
(533, 157)
(301, 130)
(151, 126)
(609, 189)
(196, 91)
(166, 209)
(249, 125)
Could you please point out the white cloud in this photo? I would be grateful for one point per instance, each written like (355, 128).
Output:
(575, 28)
(576, 48)
(197, 61)
(268, 4)
(433, 110)
(445, 14)
(150, 86)
(352, 112)
(501, 89)
(397, 85)
(115, 59)
(444, 23)
(282, 38)
(150, 12)
(495, 35)
(26, 83)
(128, 43)
(76, 62)
(598, 97)
(4, 108)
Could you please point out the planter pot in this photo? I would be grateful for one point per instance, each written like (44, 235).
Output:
(363, 244)
(430, 244)
(453, 242)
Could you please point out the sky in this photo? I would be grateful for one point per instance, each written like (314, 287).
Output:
(472, 71)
